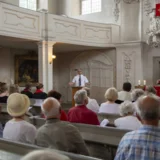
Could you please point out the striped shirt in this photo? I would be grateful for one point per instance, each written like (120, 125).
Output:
(142, 144)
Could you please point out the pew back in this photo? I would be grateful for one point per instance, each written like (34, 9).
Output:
(15, 151)
(110, 117)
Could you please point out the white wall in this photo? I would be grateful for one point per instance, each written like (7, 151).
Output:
(130, 22)
(129, 64)
(149, 54)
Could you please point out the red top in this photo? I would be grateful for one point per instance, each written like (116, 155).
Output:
(63, 116)
(81, 114)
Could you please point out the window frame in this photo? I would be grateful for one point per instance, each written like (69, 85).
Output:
(91, 8)
(28, 2)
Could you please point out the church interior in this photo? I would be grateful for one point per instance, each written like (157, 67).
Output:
(49, 46)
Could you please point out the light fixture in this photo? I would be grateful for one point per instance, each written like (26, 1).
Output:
(53, 57)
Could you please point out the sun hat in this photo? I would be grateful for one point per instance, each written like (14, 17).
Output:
(17, 104)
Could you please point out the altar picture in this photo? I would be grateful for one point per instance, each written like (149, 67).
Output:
(26, 70)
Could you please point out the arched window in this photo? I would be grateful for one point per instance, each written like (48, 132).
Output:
(91, 6)
(29, 4)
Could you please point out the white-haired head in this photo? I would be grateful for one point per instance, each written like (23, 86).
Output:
(80, 97)
(126, 108)
(44, 155)
(51, 108)
(136, 93)
(148, 107)
(151, 89)
(111, 94)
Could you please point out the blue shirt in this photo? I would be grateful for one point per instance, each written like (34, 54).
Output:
(142, 144)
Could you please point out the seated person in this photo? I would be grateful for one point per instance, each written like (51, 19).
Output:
(128, 121)
(44, 155)
(110, 106)
(27, 90)
(150, 89)
(18, 129)
(80, 113)
(58, 96)
(136, 93)
(39, 94)
(14, 88)
(3, 92)
(58, 134)
(92, 103)
(144, 143)
(125, 95)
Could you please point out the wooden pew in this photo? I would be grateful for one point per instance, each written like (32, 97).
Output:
(101, 142)
(110, 117)
(15, 151)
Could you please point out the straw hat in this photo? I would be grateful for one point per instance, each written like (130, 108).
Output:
(17, 104)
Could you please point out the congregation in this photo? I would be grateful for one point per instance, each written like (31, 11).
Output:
(139, 111)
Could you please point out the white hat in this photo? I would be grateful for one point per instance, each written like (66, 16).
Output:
(17, 104)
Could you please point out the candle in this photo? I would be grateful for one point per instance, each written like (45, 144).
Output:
(144, 82)
(139, 82)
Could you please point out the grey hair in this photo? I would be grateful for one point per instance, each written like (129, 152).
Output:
(54, 106)
(150, 89)
(126, 107)
(44, 155)
(87, 90)
(136, 93)
(148, 107)
(80, 96)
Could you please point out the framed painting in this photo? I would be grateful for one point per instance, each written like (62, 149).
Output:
(26, 70)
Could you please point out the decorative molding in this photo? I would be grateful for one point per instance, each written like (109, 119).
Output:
(147, 6)
(154, 30)
(97, 33)
(131, 1)
(116, 10)
(17, 20)
(128, 63)
(71, 30)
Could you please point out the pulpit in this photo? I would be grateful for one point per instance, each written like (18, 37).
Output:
(157, 89)
(74, 90)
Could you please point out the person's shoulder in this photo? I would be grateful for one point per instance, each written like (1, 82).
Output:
(28, 125)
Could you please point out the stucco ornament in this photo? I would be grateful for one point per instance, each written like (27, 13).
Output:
(154, 30)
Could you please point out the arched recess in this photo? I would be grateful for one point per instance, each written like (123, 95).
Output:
(98, 68)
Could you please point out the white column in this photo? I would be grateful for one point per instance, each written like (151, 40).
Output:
(45, 64)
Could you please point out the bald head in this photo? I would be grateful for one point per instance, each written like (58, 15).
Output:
(51, 108)
(44, 155)
(148, 107)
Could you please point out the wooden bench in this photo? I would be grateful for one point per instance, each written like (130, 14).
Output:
(110, 117)
(101, 142)
(15, 151)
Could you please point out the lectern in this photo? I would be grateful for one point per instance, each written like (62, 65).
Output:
(74, 90)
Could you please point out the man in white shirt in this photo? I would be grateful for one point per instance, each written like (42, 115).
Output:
(79, 80)
(125, 95)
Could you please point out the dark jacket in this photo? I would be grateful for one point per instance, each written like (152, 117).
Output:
(27, 93)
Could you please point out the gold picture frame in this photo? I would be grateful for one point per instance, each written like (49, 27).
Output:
(26, 70)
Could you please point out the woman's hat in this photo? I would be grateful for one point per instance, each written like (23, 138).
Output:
(17, 104)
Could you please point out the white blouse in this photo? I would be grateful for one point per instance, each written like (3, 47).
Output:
(110, 108)
(128, 122)
(19, 131)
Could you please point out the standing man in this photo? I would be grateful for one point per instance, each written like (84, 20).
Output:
(79, 80)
